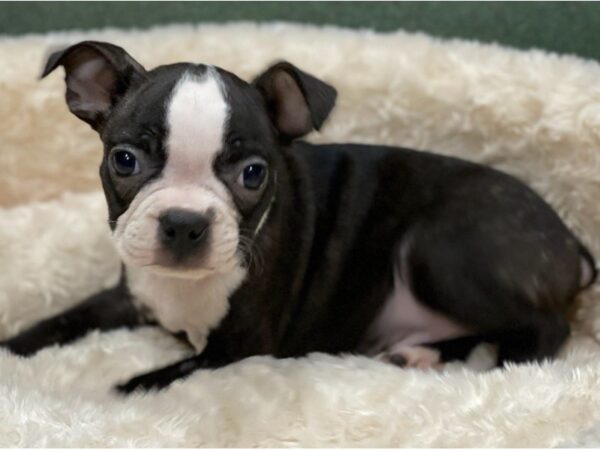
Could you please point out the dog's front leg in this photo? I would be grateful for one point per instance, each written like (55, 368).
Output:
(213, 357)
(161, 378)
(107, 310)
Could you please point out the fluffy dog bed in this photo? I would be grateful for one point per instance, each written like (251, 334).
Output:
(533, 114)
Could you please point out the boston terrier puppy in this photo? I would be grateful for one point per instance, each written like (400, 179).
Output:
(247, 241)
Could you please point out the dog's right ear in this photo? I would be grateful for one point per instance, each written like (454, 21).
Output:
(97, 75)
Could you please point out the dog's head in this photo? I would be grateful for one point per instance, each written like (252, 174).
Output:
(191, 151)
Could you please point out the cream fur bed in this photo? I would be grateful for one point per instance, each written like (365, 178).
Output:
(533, 114)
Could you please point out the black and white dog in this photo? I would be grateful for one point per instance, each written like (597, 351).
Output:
(249, 242)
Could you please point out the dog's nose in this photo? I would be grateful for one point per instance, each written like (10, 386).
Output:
(183, 231)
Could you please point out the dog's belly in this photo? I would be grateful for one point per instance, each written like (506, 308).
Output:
(405, 322)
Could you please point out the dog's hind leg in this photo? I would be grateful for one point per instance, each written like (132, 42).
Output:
(502, 295)
(109, 309)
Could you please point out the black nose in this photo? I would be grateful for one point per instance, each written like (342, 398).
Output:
(182, 231)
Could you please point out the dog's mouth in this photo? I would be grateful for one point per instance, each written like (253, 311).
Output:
(179, 271)
(181, 241)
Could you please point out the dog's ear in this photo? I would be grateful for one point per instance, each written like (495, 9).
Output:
(97, 75)
(296, 101)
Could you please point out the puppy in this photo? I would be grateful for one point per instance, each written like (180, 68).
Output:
(247, 241)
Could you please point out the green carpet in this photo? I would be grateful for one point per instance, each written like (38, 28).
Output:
(565, 27)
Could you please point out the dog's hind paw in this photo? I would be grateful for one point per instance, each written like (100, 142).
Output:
(418, 357)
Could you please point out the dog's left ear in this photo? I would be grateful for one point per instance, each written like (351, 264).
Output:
(296, 101)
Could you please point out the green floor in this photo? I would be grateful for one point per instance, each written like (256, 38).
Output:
(566, 27)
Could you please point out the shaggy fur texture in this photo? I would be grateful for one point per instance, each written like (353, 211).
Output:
(533, 114)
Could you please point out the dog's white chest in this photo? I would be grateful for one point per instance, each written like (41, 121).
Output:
(178, 304)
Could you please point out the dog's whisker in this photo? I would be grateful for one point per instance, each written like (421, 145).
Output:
(253, 254)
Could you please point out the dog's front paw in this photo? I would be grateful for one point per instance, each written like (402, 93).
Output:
(158, 379)
(19, 347)
(142, 383)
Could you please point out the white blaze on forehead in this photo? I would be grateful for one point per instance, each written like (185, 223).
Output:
(196, 117)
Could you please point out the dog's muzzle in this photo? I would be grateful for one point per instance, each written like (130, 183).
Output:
(183, 232)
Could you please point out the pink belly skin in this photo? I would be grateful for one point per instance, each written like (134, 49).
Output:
(404, 322)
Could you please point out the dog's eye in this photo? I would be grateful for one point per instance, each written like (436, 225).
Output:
(253, 175)
(124, 162)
